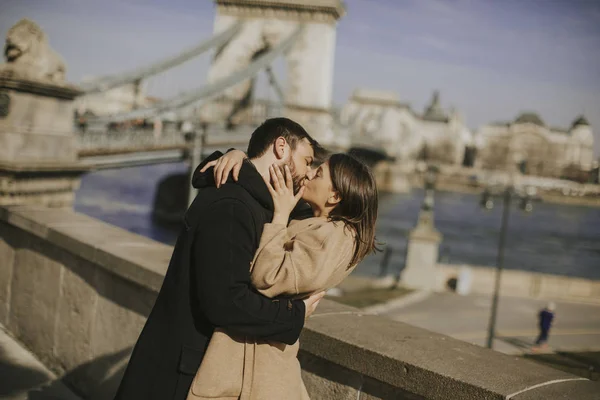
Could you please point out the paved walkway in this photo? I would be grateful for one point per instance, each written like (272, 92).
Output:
(23, 377)
(576, 327)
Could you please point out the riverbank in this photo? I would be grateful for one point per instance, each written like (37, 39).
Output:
(559, 199)
(402, 178)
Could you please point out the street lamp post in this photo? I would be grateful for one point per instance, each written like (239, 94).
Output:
(426, 218)
(195, 153)
(422, 249)
(488, 203)
(430, 179)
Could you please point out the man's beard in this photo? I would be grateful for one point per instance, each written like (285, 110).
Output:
(297, 181)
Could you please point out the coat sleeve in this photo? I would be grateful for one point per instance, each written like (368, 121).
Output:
(302, 264)
(222, 253)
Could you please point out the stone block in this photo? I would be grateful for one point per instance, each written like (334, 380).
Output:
(139, 261)
(26, 220)
(15, 237)
(38, 219)
(76, 310)
(569, 390)
(35, 293)
(418, 361)
(327, 307)
(38, 149)
(7, 257)
(121, 312)
(376, 390)
(80, 238)
(38, 127)
(15, 146)
(326, 380)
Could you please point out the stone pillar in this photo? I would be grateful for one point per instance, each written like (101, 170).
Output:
(38, 152)
(310, 61)
(422, 254)
(310, 75)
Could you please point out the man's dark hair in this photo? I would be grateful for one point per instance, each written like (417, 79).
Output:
(271, 129)
(321, 154)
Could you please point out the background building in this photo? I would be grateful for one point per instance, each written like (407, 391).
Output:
(381, 120)
(536, 149)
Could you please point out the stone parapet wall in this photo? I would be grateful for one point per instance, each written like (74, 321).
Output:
(77, 291)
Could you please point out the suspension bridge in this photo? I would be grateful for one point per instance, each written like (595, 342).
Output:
(249, 37)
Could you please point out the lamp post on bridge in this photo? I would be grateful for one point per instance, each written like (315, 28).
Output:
(487, 202)
(195, 139)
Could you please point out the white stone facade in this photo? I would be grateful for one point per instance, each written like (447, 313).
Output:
(528, 143)
(380, 120)
(308, 91)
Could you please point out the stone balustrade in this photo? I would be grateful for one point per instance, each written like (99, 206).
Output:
(76, 292)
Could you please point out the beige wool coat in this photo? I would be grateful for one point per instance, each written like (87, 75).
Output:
(306, 257)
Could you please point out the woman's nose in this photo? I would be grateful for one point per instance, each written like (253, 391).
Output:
(310, 174)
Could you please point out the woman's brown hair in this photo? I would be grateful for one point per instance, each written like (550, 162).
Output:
(356, 186)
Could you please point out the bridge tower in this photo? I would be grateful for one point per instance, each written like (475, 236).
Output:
(309, 63)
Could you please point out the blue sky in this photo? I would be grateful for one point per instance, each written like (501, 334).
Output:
(489, 58)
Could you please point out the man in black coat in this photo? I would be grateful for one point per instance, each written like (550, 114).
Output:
(207, 284)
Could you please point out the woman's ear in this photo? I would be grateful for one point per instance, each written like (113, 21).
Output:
(334, 198)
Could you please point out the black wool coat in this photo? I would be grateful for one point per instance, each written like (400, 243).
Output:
(207, 285)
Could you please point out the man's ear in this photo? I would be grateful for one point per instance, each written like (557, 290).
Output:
(279, 147)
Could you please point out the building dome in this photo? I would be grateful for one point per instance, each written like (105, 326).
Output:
(529, 118)
(581, 120)
(434, 111)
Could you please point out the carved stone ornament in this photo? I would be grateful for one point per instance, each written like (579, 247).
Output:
(29, 56)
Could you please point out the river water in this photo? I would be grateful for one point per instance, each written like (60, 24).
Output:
(556, 239)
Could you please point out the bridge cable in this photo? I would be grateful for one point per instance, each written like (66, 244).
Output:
(111, 81)
(193, 97)
(275, 84)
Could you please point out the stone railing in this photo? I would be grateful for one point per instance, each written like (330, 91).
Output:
(92, 143)
(89, 141)
(76, 292)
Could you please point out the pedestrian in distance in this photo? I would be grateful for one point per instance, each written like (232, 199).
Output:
(545, 318)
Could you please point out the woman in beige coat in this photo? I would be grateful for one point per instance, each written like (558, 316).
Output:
(308, 256)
